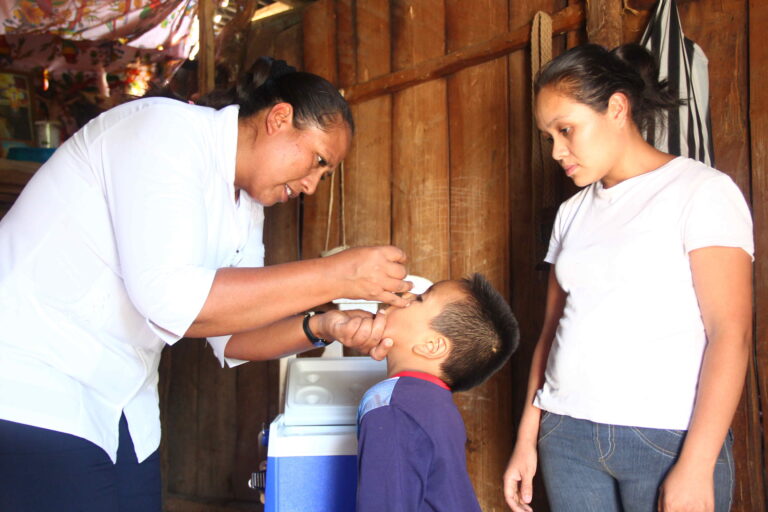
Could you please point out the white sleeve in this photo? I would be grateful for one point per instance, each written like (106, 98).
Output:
(554, 239)
(219, 344)
(154, 178)
(565, 215)
(718, 215)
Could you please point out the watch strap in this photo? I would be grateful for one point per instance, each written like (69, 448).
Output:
(315, 340)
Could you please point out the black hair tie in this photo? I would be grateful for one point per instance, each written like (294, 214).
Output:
(279, 68)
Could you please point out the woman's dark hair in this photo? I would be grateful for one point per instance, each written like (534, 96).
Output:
(315, 101)
(590, 74)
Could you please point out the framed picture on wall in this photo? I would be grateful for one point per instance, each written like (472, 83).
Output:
(16, 126)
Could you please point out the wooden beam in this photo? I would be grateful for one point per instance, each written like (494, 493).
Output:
(604, 24)
(565, 20)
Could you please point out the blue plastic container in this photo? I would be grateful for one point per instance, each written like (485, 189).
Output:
(311, 468)
(312, 446)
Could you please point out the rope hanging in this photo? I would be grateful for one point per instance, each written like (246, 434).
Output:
(342, 225)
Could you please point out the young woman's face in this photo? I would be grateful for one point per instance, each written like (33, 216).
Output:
(283, 161)
(584, 141)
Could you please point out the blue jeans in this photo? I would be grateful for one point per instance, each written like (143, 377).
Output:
(594, 467)
(42, 470)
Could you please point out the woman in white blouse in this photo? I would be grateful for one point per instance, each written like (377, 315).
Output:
(146, 227)
(643, 350)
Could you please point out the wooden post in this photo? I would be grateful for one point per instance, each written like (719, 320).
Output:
(368, 168)
(319, 28)
(479, 233)
(604, 24)
(420, 175)
(757, 382)
(207, 53)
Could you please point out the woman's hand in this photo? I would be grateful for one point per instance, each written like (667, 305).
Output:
(355, 329)
(518, 478)
(688, 490)
(373, 273)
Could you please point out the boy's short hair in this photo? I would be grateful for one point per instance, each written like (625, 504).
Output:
(483, 334)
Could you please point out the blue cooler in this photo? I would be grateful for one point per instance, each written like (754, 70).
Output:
(312, 446)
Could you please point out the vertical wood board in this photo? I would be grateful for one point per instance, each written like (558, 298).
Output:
(319, 49)
(758, 116)
(478, 114)
(368, 168)
(180, 411)
(528, 277)
(420, 170)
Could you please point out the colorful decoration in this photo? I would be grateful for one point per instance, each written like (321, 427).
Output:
(80, 35)
(144, 23)
(69, 51)
(84, 56)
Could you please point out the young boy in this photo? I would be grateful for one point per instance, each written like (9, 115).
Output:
(411, 434)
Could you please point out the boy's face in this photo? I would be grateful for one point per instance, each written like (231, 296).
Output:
(410, 323)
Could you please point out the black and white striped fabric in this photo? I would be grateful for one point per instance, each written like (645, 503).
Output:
(684, 64)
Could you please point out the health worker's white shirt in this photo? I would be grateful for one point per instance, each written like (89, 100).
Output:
(629, 346)
(107, 255)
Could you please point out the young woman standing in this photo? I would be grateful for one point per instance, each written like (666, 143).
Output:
(642, 356)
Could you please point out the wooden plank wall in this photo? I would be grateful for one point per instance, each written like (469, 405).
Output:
(442, 169)
(484, 112)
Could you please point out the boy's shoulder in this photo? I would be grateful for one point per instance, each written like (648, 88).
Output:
(378, 395)
(415, 396)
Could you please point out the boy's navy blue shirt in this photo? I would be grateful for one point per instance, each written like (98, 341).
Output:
(411, 443)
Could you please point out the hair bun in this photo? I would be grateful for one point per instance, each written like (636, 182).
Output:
(639, 59)
(279, 68)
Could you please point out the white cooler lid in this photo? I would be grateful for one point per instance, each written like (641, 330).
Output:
(327, 391)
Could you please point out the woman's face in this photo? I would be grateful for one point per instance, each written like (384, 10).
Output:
(276, 161)
(584, 142)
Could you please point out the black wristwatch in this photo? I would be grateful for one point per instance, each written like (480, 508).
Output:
(318, 342)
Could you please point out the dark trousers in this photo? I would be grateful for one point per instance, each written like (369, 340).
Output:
(42, 470)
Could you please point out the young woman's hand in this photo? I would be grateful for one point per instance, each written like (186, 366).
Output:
(355, 329)
(688, 490)
(518, 478)
(373, 273)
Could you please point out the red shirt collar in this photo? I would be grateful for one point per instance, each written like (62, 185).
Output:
(423, 376)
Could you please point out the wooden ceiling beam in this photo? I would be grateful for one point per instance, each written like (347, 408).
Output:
(566, 20)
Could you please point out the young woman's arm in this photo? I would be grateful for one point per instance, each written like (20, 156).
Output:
(518, 478)
(722, 278)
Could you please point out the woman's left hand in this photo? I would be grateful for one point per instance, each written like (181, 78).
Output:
(355, 329)
(687, 490)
